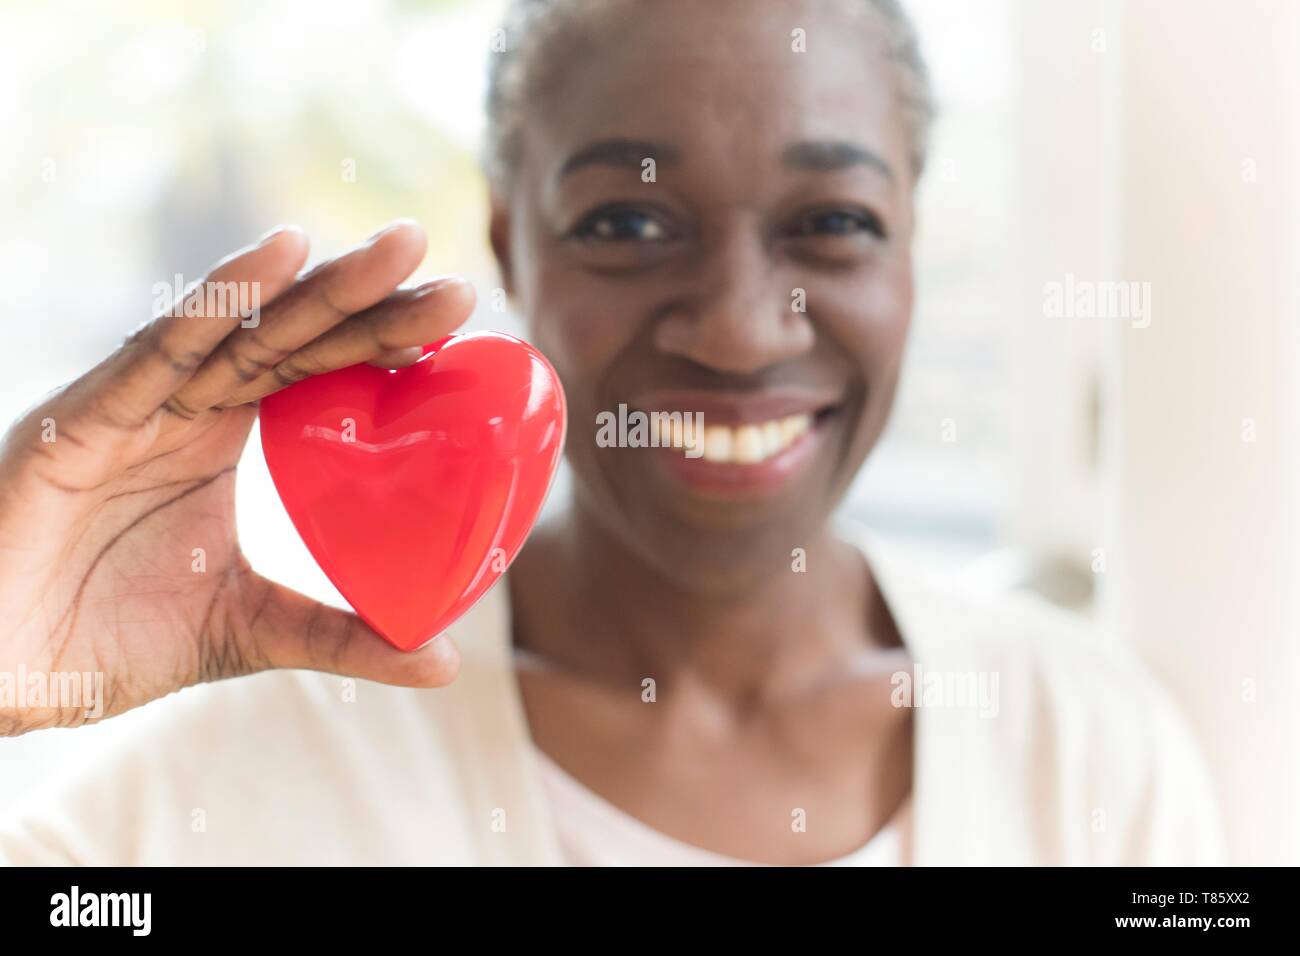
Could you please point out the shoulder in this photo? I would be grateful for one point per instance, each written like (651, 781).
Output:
(1071, 730)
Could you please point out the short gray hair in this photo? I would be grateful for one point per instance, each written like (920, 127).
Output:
(530, 25)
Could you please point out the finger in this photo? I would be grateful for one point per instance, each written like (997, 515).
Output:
(395, 328)
(134, 382)
(291, 630)
(400, 358)
(320, 300)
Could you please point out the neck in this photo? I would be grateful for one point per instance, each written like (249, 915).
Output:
(586, 602)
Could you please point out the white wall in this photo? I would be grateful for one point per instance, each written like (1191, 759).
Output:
(1140, 122)
(1202, 534)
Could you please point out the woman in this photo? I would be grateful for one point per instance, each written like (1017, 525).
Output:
(699, 207)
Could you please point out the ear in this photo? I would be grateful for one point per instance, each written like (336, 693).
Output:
(499, 235)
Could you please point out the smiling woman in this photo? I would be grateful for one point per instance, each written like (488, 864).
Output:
(702, 210)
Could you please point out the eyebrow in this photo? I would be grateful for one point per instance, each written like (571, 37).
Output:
(825, 156)
(812, 155)
(619, 152)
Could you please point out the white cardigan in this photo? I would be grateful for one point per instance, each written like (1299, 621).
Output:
(1084, 762)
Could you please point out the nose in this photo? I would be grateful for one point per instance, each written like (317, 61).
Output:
(740, 313)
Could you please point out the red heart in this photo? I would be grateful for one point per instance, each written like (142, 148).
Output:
(414, 489)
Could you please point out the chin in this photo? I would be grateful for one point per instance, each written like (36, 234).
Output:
(713, 547)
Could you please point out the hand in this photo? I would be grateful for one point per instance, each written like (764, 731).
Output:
(112, 483)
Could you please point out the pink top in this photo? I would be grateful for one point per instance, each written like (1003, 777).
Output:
(594, 832)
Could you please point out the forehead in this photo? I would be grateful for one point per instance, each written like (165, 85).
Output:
(719, 80)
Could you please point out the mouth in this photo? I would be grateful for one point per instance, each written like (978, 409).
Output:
(741, 447)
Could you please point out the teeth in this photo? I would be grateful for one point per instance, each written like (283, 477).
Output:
(717, 443)
(794, 426)
(748, 444)
(773, 438)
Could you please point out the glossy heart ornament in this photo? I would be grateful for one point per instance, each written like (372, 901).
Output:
(414, 489)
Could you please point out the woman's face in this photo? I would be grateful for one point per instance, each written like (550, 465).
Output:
(763, 275)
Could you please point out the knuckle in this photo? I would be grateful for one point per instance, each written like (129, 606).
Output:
(384, 334)
(253, 357)
(181, 361)
(177, 407)
(107, 411)
(11, 725)
(326, 639)
(138, 335)
(326, 295)
(298, 367)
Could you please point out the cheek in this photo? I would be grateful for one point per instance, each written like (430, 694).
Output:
(576, 334)
(581, 326)
(869, 317)
(581, 321)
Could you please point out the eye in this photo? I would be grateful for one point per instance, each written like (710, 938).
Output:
(839, 221)
(622, 224)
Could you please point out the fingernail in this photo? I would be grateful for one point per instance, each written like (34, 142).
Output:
(392, 227)
(442, 282)
(272, 233)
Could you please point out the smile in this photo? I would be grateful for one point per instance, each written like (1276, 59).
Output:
(738, 445)
(747, 444)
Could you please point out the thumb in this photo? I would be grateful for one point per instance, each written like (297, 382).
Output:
(291, 630)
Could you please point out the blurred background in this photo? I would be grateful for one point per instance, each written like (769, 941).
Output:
(1142, 476)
